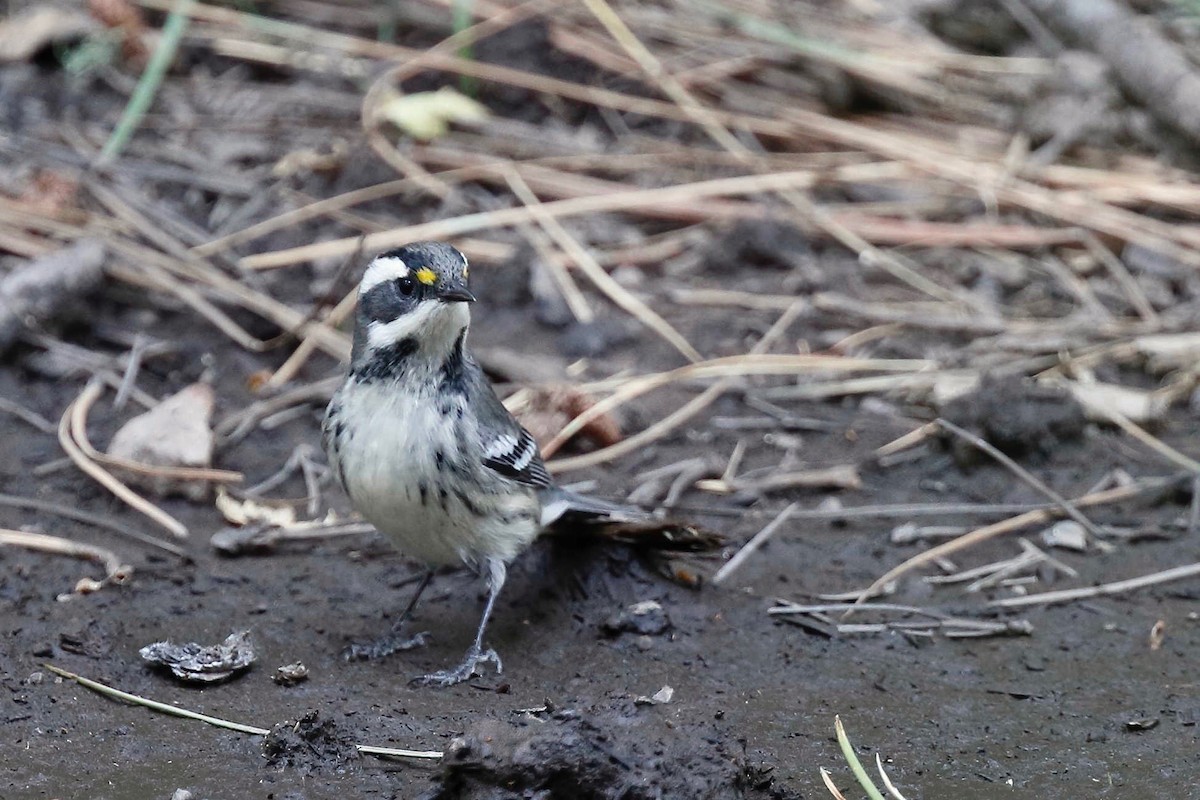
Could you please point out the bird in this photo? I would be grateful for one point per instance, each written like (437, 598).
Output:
(427, 452)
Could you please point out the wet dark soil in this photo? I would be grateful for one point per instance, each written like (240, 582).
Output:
(1084, 706)
(1062, 711)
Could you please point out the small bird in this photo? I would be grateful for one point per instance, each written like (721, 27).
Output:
(425, 449)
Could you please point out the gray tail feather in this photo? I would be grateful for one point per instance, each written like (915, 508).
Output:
(564, 511)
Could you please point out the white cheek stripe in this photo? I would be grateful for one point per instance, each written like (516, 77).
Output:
(382, 334)
(382, 270)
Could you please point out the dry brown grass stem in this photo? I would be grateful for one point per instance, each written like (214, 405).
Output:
(631, 200)
(86, 398)
(1075, 209)
(727, 368)
(615, 292)
(681, 414)
(1151, 441)
(1022, 474)
(987, 532)
(115, 570)
(79, 414)
(1102, 590)
(868, 254)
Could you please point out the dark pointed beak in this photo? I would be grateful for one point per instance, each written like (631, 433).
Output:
(456, 294)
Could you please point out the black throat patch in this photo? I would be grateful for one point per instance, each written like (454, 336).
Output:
(454, 371)
(386, 362)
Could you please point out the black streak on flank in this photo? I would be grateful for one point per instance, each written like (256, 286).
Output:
(454, 371)
(386, 362)
(424, 490)
(467, 503)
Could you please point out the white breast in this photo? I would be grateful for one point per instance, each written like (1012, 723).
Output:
(388, 459)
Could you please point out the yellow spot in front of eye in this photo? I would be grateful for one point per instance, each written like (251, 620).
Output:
(426, 276)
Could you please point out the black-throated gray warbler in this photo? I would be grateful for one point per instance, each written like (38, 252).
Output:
(425, 449)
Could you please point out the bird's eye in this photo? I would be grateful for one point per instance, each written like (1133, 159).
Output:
(407, 286)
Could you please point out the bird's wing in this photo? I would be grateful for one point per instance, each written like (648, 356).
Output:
(508, 449)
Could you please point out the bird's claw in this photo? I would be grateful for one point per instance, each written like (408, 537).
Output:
(385, 646)
(448, 677)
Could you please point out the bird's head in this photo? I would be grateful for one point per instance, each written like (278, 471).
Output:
(412, 301)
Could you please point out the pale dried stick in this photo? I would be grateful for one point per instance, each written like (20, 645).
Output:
(309, 344)
(998, 528)
(1145, 437)
(176, 711)
(628, 389)
(31, 418)
(121, 529)
(726, 368)
(1022, 473)
(79, 412)
(676, 418)
(630, 200)
(115, 571)
(602, 280)
(571, 293)
(750, 547)
(1102, 590)
(868, 254)
(107, 479)
(1133, 291)
(1074, 208)
(910, 439)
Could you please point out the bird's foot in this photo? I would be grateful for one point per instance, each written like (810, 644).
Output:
(475, 658)
(393, 642)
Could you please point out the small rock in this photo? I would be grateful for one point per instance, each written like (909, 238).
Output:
(290, 674)
(175, 433)
(661, 697)
(182, 794)
(647, 618)
(1068, 534)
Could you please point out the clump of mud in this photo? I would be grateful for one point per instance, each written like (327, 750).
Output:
(310, 744)
(1018, 416)
(569, 757)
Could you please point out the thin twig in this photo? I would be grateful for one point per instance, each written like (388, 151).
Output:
(120, 528)
(1022, 473)
(254, 730)
(1102, 590)
(750, 547)
(999, 528)
(105, 478)
(115, 570)
(596, 274)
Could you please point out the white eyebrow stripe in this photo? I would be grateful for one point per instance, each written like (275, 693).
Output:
(382, 270)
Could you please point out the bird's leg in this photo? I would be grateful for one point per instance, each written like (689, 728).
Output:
(393, 641)
(476, 655)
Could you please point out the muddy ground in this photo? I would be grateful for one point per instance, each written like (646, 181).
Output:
(1082, 706)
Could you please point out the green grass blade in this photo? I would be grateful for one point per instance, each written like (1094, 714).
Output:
(860, 772)
(148, 83)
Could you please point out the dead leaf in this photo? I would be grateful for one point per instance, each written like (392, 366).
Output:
(175, 433)
(428, 115)
(246, 512)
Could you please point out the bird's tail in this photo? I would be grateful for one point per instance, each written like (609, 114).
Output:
(566, 511)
